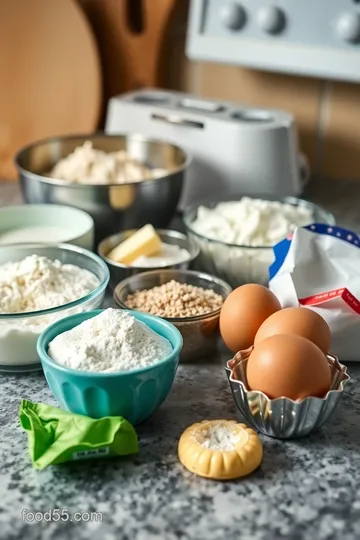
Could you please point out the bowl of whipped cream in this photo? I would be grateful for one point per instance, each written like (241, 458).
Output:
(236, 236)
(40, 284)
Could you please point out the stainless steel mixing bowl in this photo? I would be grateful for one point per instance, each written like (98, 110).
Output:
(113, 207)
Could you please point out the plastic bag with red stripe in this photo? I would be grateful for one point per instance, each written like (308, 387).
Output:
(319, 268)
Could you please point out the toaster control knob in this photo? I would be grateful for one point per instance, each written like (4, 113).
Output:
(233, 16)
(271, 19)
(348, 27)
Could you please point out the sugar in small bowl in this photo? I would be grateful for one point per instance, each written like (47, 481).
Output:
(110, 362)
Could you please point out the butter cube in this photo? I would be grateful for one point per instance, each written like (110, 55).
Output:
(144, 242)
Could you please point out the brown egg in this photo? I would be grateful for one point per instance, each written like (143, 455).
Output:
(242, 313)
(297, 320)
(287, 365)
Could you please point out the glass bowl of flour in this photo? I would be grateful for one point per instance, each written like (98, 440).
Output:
(40, 284)
(236, 236)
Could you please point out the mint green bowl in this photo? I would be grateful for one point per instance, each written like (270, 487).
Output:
(46, 224)
(134, 394)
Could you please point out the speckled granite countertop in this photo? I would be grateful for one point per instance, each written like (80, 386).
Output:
(306, 489)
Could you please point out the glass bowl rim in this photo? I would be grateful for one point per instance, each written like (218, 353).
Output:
(226, 288)
(295, 201)
(74, 303)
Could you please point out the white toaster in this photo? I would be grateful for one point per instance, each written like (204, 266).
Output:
(236, 150)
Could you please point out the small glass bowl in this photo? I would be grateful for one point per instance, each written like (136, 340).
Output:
(200, 332)
(241, 264)
(19, 331)
(119, 271)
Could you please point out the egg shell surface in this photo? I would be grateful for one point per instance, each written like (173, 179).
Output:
(297, 320)
(288, 365)
(243, 312)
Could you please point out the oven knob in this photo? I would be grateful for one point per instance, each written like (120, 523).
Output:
(271, 19)
(233, 16)
(348, 27)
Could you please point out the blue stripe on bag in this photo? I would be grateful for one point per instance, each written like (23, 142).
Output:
(281, 249)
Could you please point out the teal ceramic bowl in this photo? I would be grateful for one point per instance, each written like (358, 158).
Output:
(134, 394)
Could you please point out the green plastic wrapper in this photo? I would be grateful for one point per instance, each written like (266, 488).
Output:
(56, 436)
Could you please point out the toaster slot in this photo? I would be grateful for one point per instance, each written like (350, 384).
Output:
(151, 98)
(177, 120)
(201, 106)
(253, 116)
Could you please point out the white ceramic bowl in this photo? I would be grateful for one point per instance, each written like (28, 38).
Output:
(46, 224)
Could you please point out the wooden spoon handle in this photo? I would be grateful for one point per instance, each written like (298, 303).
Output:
(142, 27)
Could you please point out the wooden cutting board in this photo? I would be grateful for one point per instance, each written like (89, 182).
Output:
(50, 74)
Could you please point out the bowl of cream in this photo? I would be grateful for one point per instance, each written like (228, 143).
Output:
(46, 224)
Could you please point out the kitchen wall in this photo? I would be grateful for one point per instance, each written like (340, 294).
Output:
(327, 113)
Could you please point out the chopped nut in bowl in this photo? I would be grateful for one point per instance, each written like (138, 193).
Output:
(190, 300)
(284, 418)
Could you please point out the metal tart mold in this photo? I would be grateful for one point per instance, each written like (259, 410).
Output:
(284, 418)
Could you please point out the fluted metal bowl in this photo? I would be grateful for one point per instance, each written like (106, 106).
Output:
(284, 418)
(114, 207)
